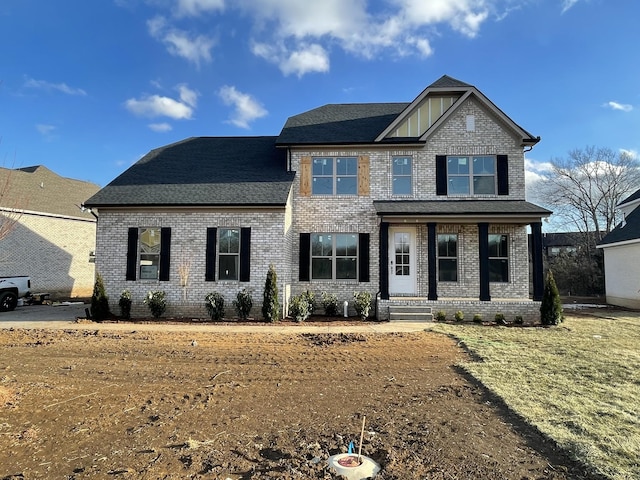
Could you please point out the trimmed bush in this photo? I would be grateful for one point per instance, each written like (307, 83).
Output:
(329, 304)
(500, 320)
(214, 302)
(477, 318)
(125, 304)
(157, 302)
(243, 303)
(270, 301)
(518, 320)
(299, 307)
(459, 316)
(362, 304)
(99, 301)
(441, 316)
(551, 307)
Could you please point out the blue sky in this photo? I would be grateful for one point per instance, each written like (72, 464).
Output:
(88, 87)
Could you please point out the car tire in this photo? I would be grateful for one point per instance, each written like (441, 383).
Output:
(8, 301)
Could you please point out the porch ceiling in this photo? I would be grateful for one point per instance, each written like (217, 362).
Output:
(460, 211)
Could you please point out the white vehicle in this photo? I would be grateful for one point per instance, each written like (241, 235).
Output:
(12, 288)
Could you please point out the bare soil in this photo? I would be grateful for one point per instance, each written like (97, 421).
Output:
(109, 404)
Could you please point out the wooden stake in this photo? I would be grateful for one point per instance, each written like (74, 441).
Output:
(364, 418)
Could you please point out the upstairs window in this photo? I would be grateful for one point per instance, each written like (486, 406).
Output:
(471, 175)
(402, 175)
(335, 176)
(498, 258)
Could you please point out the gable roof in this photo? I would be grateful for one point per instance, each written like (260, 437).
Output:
(203, 171)
(38, 189)
(369, 123)
(449, 85)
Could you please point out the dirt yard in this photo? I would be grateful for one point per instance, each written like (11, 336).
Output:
(138, 404)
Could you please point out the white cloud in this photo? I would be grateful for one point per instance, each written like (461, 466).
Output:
(303, 31)
(160, 127)
(306, 59)
(619, 106)
(194, 48)
(188, 96)
(160, 106)
(246, 108)
(194, 8)
(48, 86)
(45, 130)
(465, 16)
(631, 153)
(298, 36)
(567, 4)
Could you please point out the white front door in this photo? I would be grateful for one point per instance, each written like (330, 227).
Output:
(402, 260)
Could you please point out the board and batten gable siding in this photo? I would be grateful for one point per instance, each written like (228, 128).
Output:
(190, 231)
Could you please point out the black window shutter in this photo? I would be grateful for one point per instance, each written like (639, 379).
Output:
(245, 254)
(132, 253)
(165, 253)
(363, 257)
(503, 175)
(210, 255)
(305, 257)
(441, 174)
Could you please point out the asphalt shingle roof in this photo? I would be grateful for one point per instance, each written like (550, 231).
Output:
(337, 124)
(459, 207)
(38, 189)
(203, 171)
(625, 231)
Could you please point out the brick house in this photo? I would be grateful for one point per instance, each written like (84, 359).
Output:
(421, 204)
(620, 246)
(52, 239)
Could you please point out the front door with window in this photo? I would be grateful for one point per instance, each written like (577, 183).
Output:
(402, 260)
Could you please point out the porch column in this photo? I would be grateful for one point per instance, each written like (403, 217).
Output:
(483, 251)
(431, 260)
(536, 260)
(384, 260)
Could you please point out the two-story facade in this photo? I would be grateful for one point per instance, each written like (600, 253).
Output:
(419, 203)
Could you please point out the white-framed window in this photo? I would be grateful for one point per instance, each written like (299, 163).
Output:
(334, 256)
(401, 175)
(334, 175)
(498, 258)
(228, 253)
(448, 257)
(471, 175)
(149, 250)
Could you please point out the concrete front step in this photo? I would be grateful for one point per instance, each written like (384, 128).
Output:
(410, 313)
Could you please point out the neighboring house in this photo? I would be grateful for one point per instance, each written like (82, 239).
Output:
(554, 244)
(421, 204)
(53, 240)
(621, 249)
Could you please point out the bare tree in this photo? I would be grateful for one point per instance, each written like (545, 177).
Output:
(583, 191)
(584, 188)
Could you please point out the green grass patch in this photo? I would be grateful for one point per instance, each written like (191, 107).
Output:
(578, 383)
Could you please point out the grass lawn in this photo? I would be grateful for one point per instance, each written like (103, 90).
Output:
(578, 383)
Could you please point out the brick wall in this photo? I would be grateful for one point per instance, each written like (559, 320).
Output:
(188, 246)
(54, 252)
